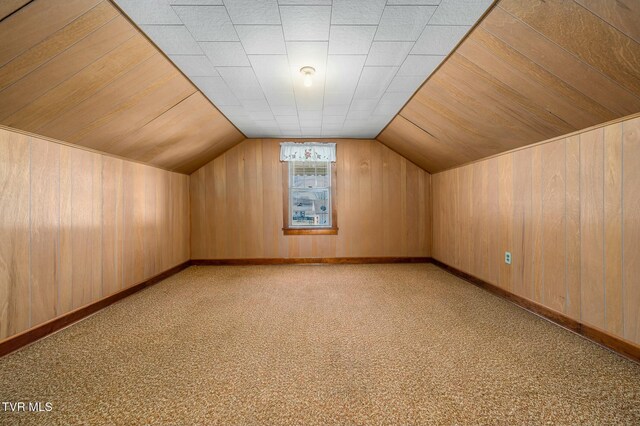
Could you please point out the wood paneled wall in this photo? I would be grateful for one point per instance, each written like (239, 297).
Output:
(80, 72)
(530, 71)
(382, 201)
(77, 226)
(568, 210)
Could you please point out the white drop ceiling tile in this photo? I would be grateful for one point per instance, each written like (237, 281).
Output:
(421, 65)
(380, 76)
(217, 90)
(406, 83)
(207, 23)
(376, 79)
(283, 110)
(173, 39)
(363, 104)
(284, 99)
(196, 2)
(308, 53)
(305, 116)
(359, 115)
(343, 72)
(261, 115)
(243, 82)
(287, 120)
(289, 127)
(255, 105)
(311, 132)
(459, 12)
(333, 120)
(388, 52)
(194, 65)
(225, 53)
(341, 110)
(439, 39)
(337, 98)
(351, 39)
(149, 11)
(267, 123)
(302, 23)
(391, 102)
(403, 23)
(274, 76)
(253, 11)
(362, 12)
(414, 2)
(310, 123)
(304, 2)
(262, 39)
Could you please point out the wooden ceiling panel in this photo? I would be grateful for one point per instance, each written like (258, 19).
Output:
(36, 83)
(407, 140)
(152, 87)
(189, 123)
(622, 14)
(560, 62)
(586, 35)
(80, 72)
(36, 22)
(7, 7)
(528, 72)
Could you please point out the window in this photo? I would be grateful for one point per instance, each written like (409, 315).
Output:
(309, 191)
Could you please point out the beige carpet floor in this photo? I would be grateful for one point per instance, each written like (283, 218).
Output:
(319, 345)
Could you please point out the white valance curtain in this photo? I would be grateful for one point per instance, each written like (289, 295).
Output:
(307, 151)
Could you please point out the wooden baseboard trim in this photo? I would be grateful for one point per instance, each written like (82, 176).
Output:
(310, 260)
(620, 346)
(16, 342)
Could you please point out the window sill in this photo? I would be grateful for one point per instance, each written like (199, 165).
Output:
(310, 231)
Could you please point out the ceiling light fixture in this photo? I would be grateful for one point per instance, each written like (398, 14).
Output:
(307, 72)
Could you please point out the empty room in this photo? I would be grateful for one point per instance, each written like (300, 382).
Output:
(319, 212)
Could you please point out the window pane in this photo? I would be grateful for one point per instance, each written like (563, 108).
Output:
(309, 174)
(310, 193)
(310, 207)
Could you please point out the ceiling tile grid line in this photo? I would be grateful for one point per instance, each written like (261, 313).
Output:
(370, 56)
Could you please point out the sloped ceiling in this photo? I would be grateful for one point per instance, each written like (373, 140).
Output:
(80, 72)
(370, 56)
(530, 71)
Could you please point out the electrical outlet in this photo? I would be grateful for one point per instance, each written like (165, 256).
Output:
(507, 257)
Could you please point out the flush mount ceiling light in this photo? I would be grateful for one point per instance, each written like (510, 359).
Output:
(307, 72)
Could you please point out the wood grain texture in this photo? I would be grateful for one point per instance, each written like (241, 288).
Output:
(575, 227)
(521, 249)
(592, 226)
(553, 226)
(45, 227)
(620, 14)
(71, 232)
(78, 71)
(530, 71)
(112, 224)
(613, 228)
(371, 181)
(14, 234)
(572, 222)
(7, 7)
(631, 228)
